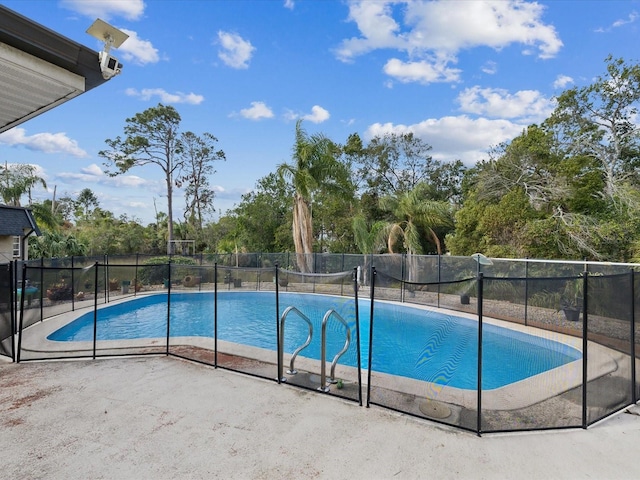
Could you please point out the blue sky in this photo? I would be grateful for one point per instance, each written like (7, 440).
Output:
(462, 75)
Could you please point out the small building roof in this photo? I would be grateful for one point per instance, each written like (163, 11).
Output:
(15, 221)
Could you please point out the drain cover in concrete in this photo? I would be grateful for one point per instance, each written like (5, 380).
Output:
(434, 409)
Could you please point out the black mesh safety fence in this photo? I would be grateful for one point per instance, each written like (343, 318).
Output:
(635, 328)
(421, 361)
(239, 317)
(531, 355)
(133, 320)
(7, 310)
(487, 345)
(319, 332)
(62, 292)
(610, 349)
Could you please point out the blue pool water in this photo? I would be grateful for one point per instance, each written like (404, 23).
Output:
(410, 342)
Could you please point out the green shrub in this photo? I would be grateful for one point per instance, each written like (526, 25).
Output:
(156, 270)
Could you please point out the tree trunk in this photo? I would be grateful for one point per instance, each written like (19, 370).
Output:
(303, 234)
(169, 214)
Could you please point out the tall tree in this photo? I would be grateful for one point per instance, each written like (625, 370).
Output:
(17, 180)
(262, 215)
(599, 121)
(528, 162)
(198, 155)
(85, 203)
(314, 166)
(151, 137)
(395, 163)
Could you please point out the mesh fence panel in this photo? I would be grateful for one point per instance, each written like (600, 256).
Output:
(542, 269)
(636, 325)
(609, 386)
(64, 293)
(320, 309)
(423, 363)
(531, 370)
(329, 284)
(127, 325)
(7, 326)
(191, 332)
(247, 321)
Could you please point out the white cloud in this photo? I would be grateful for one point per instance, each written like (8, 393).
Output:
(42, 142)
(317, 115)
(105, 9)
(164, 96)
(257, 111)
(93, 169)
(562, 81)
(377, 26)
(490, 68)
(633, 16)
(526, 105)
(439, 29)
(289, 4)
(136, 50)
(94, 174)
(236, 52)
(454, 138)
(423, 72)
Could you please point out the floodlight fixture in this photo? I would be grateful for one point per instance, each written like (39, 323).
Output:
(112, 37)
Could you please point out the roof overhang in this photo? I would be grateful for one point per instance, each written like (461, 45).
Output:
(40, 69)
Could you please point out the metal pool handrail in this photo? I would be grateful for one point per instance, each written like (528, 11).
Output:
(292, 370)
(323, 350)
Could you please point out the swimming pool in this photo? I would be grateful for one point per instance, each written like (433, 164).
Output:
(410, 342)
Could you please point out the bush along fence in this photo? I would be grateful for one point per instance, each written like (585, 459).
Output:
(486, 345)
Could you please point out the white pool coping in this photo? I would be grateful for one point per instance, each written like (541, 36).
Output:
(516, 395)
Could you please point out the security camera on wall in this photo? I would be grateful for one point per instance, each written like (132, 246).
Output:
(109, 65)
(112, 37)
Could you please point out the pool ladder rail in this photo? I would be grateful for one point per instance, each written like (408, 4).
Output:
(323, 349)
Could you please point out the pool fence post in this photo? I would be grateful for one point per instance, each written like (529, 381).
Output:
(355, 296)
(278, 336)
(135, 277)
(41, 287)
(402, 270)
(73, 283)
(634, 394)
(12, 301)
(373, 286)
(23, 294)
(480, 300)
(439, 279)
(585, 331)
(526, 290)
(215, 315)
(95, 308)
(106, 278)
(168, 305)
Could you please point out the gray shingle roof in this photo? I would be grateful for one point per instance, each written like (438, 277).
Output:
(16, 221)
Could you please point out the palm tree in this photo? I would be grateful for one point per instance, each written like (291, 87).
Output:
(314, 167)
(368, 240)
(412, 211)
(17, 180)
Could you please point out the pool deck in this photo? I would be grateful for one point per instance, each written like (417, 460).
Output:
(165, 418)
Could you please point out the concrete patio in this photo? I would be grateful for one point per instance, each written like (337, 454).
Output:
(160, 417)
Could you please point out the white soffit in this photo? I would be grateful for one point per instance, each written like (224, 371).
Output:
(30, 86)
